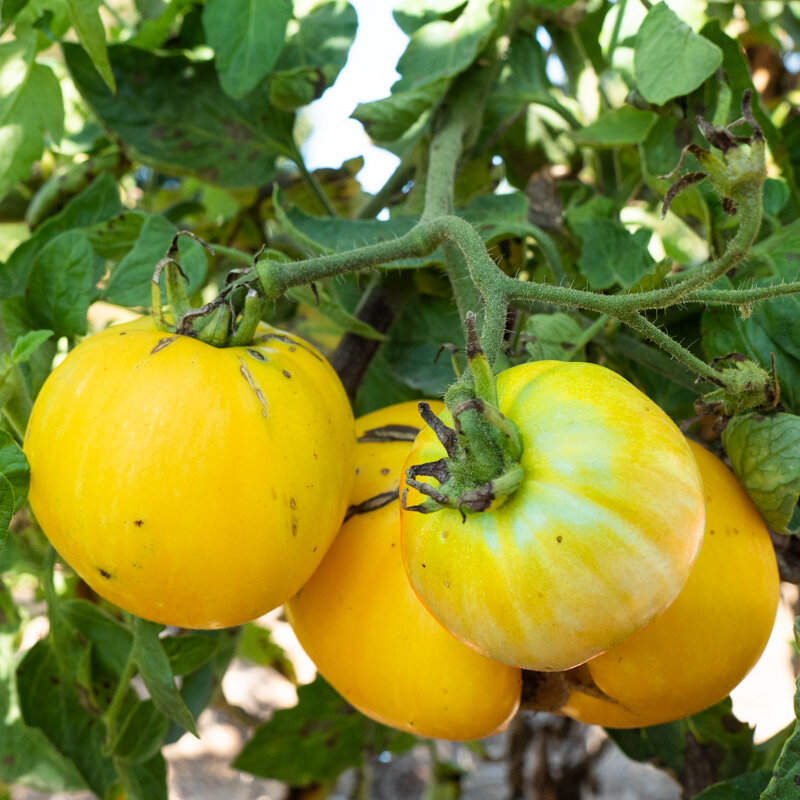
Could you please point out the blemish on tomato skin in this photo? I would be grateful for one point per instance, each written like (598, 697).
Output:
(385, 471)
(254, 386)
(138, 523)
(104, 574)
(292, 503)
(162, 343)
(287, 374)
(256, 355)
(559, 539)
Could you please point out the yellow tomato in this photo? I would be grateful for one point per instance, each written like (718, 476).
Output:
(598, 539)
(191, 485)
(370, 637)
(702, 646)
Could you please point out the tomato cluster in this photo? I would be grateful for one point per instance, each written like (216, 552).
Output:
(201, 487)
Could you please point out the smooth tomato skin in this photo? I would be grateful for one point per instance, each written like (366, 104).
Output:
(705, 643)
(370, 637)
(597, 541)
(191, 485)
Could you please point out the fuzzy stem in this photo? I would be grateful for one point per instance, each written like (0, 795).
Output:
(736, 297)
(667, 343)
(750, 214)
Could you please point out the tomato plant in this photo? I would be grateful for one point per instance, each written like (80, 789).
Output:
(362, 625)
(702, 646)
(166, 471)
(598, 196)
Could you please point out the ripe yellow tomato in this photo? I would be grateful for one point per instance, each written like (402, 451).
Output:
(191, 485)
(598, 539)
(370, 637)
(702, 646)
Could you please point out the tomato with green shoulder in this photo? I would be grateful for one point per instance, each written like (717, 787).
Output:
(596, 541)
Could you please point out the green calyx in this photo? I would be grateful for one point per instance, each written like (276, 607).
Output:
(745, 386)
(229, 320)
(739, 173)
(481, 468)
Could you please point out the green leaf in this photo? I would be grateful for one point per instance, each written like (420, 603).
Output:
(247, 37)
(147, 781)
(14, 468)
(10, 8)
(114, 238)
(293, 88)
(50, 702)
(413, 14)
(18, 322)
(553, 337)
(86, 20)
(316, 740)
(322, 39)
(786, 773)
(155, 30)
(154, 669)
(436, 53)
(387, 119)
(765, 455)
(742, 787)
(256, 645)
(612, 255)
(444, 49)
(98, 202)
(621, 126)
(670, 59)
(6, 507)
(30, 102)
(141, 733)
(61, 285)
(660, 744)
(171, 112)
(417, 334)
(129, 282)
(27, 757)
(198, 687)
(27, 344)
(111, 640)
(188, 652)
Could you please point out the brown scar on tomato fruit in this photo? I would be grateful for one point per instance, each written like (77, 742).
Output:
(281, 337)
(373, 503)
(389, 433)
(256, 355)
(104, 574)
(162, 343)
(254, 386)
